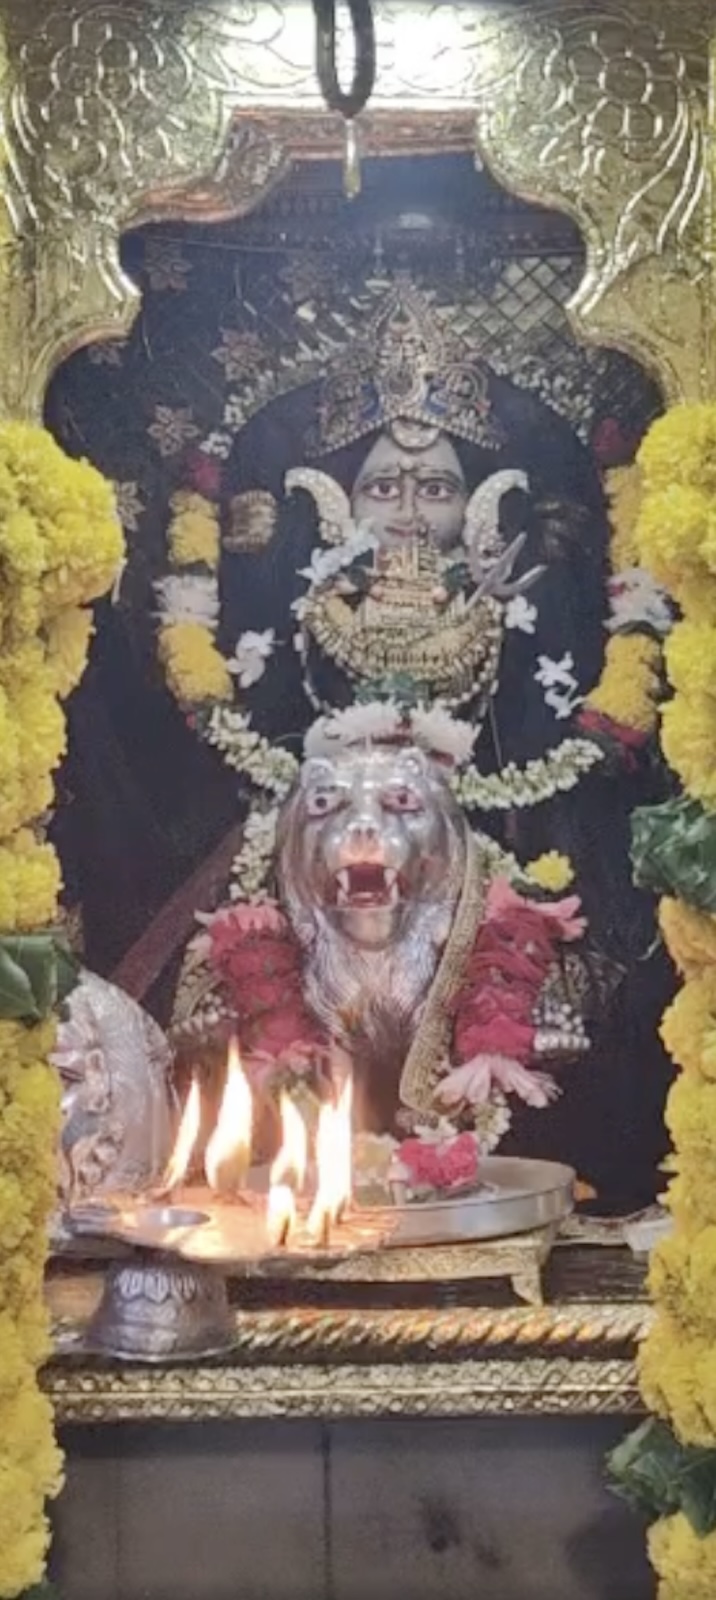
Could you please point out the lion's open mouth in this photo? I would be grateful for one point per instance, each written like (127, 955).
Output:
(367, 883)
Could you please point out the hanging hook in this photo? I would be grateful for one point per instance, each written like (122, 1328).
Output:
(354, 100)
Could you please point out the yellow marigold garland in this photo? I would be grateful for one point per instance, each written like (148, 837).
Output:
(628, 689)
(193, 534)
(688, 1026)
(689, 935)
(676, 541)
(688, 738)
(690, 656)
(60, 547)
(68, 638)
(195, 670)
(30, 883)
(686, 1564)
(624, 491)
(683, 1278)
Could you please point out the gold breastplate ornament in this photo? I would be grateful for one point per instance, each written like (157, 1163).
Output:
(400, 622)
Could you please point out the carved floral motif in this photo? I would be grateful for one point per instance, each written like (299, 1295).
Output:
(116, 112)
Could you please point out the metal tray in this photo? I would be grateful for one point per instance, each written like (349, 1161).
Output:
(515, 1196)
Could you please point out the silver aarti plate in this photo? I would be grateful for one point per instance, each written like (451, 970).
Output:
(514, 1196)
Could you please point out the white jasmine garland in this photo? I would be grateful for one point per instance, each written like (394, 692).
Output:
(379, 720)
(499, 863)
(251, 868)
(517, 787)
(188, 598)
(268, 766)
(434, 730)
(490, 1122)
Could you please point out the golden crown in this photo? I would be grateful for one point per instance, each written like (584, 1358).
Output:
(407, 372)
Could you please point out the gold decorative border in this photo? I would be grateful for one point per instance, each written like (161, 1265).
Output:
(325, 1361)
(525, 1386)
(115, 113)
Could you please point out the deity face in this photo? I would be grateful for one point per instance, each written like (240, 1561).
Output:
(406, 494)
(376, 836)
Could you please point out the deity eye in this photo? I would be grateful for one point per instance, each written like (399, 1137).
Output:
(321, 802)
(437, 489)
(381, 489)
(402, 799)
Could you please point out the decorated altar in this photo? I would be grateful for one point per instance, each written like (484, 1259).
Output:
(358, 444)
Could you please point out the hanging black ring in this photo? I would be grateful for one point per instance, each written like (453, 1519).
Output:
(354, 100)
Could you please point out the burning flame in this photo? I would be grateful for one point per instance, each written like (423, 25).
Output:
(290, 1163)
(185, 1140)
(333, 1159)
(280, 1214)
(228, 1152)
(288, 1172)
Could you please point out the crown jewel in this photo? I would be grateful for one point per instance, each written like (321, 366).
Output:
(410, 373)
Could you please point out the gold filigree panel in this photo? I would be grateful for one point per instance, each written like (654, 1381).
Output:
(602, 112)
(527, 1386)
(116, 112)
(575, 1355)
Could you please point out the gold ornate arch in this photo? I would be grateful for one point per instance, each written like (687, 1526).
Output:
(122, 111)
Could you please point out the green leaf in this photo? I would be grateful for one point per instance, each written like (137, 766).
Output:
(17, 1002)
(660, 1476)
(674, 851)
(34, 952)
(37, 972)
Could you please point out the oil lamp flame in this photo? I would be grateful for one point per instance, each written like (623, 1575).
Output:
(186, 1138)
(289, 1165)
(228, 1152)
(288, 1172)
(280, 1214)
(333, 1160)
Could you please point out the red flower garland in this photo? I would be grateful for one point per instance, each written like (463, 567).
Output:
(259, 961)
(516, 946)
(257, 958)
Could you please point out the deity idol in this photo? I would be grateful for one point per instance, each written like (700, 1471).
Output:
(446, 625)
(393, 938)
(408, 599)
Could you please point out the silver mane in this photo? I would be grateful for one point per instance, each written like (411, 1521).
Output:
(371, 856)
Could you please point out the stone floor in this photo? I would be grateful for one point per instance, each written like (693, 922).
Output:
(482, 1509)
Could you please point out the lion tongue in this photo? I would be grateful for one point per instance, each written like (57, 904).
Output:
(367, 880)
